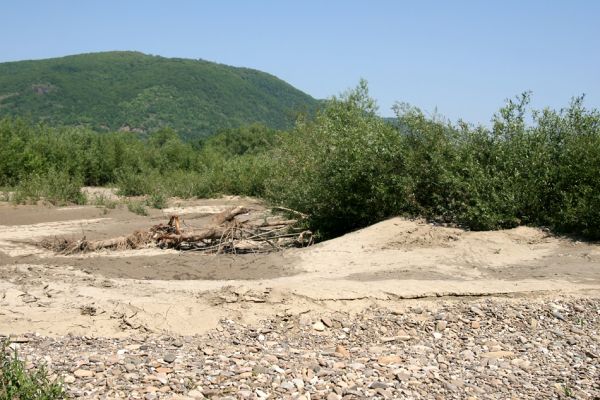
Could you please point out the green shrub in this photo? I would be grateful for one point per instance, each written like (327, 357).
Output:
(102, 200)
(573, 195)
(543, 174)
(19, 383)
(137, 207)
(56, 187)
(134, 183)
(247, 140)
(157, 199)
(186, 184)
(345, 169)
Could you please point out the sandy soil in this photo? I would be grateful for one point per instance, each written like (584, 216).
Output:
(152, 290)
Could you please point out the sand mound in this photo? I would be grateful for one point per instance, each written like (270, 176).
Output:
(406, 234)
(421, 235)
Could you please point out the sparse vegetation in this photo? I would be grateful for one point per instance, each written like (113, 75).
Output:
(20, 383)
(157, 199)
(104, 201)
(5, 195)
(346, 167)
(137, 207)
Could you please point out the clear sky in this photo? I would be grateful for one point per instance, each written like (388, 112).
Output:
(463, 57)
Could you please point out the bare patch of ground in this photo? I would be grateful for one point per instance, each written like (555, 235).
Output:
(115, 293)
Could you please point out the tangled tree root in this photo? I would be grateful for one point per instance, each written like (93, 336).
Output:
(225, 234)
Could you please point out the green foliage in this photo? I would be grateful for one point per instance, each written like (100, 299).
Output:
(34, 149)
(137, 207)
(344, 169)
(513, 174)
(247, 140)
(56, 187)
(136, 183)
(102, 200)
(348, 168)
(143, 93)
(19, 383)
(157, 199)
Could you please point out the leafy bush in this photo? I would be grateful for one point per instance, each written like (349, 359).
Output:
(19, 383)
(542, 174)
(345, 169)
(137, 207)
(572, 194)
(348, 169)
(136, 183)
(186, 184)
(56, 187)
(247, 140)
(157, 199)
(102, 200)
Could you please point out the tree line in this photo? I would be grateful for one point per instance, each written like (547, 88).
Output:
(345, 167)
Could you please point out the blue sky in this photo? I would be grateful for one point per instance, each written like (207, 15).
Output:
(461, 57)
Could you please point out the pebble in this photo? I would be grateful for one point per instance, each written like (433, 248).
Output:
(391, 359)
(498, 354)
(169, 357)
(299, 383)
(261, 394)
(319, 326)
(477, 311)
(342, 351)
(378, 385)
(83, 373)
(195, 394)
(558, 315)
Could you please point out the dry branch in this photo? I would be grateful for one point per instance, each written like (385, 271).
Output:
(225, 234)
(228, 215)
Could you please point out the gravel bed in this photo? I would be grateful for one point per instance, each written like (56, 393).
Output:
(459, 349)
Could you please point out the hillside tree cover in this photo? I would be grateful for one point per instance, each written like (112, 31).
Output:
(134, 91)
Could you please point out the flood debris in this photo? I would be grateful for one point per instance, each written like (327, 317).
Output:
(236, 230)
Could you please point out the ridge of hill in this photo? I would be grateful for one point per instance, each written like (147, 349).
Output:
(134, 91)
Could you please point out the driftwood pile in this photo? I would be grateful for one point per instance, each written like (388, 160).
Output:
(225, 234)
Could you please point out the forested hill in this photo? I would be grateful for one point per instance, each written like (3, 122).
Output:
(139, 92)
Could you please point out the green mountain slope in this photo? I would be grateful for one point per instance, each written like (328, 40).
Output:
(129, 90)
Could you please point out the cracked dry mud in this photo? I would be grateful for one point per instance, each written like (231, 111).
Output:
(402, 309)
